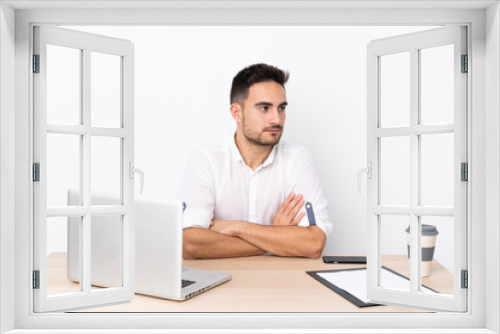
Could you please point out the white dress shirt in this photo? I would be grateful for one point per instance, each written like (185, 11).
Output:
(217, 184)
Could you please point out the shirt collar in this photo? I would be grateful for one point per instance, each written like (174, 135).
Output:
(234, 149)
(237, 154)
(270, 158)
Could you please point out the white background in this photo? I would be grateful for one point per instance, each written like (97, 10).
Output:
(182, 82)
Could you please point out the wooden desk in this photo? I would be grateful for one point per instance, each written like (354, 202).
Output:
(260, 284)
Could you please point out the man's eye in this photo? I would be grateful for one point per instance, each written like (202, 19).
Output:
(282, 108)
(264, 108)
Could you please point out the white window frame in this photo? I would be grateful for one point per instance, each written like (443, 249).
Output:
(413, 44)
(484, 162)
(124, 52)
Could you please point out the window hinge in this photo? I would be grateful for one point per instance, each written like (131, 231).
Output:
(465, 279)
(464, 172)
(36, 172)
(465, 64)
(36, 279)
(36, 63)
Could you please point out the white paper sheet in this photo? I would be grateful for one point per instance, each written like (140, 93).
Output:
(355, 281)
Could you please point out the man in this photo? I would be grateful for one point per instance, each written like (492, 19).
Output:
(246, 196)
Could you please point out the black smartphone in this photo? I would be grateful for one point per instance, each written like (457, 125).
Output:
(344, 259)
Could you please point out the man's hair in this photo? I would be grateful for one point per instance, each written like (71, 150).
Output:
(254, 74)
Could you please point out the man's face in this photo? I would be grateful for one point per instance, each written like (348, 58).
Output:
(263, 113)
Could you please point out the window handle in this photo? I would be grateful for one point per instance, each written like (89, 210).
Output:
(368, 171)
(133, 170)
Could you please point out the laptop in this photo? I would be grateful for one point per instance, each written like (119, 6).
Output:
(158, 250)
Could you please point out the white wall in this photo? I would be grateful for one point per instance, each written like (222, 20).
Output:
(182, 81)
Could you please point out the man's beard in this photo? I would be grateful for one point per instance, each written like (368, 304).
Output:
(256, 138)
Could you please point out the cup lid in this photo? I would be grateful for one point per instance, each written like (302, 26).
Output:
(426, 230)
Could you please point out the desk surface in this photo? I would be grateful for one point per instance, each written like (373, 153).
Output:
(261, 284)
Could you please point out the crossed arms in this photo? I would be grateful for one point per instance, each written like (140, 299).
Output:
(283, 237)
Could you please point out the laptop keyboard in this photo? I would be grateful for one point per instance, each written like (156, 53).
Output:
(186, 283)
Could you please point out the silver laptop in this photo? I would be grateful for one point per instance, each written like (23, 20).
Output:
(158, 250)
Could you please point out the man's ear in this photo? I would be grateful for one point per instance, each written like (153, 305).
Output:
(236, 111)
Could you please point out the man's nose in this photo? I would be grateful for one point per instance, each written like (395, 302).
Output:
(275, 117)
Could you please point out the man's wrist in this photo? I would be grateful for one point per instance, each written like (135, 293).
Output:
(238, 228)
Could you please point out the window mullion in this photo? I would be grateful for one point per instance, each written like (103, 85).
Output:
(414, 172)
(85, 176)
(127, 156)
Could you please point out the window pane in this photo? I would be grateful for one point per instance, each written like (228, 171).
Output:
(107, 251)
(63, 168)
(438, 254)
(437, 85)
(394, 249)
(395, 90)
(106, 166)
(63, 85)
(437, 169)
(395, 171)
(105, 90)
(62, 264)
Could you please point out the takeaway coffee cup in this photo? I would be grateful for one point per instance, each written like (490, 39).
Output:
(428, 242)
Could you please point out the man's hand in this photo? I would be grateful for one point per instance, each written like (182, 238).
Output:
(287, 213)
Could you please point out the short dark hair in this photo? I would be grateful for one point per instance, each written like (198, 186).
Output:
(254, 74)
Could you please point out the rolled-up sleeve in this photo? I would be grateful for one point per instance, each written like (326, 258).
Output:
(305, 180)
(197, 192)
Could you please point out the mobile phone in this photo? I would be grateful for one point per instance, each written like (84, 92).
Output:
(344, 259)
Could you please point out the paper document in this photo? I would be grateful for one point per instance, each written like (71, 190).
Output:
(353, 281)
